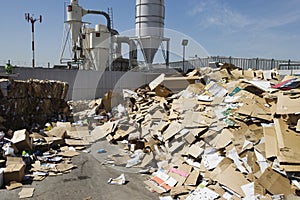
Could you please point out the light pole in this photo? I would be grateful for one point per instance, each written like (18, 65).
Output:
(184, 44)
(29, 18)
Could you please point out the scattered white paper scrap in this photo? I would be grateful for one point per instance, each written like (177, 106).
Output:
(26, 193)
(171, 182)
(232, 154)
(211, 160)
(229, 99)
(117, 181)
(296, 183)
(203, 194)
(245, 161)
(162, 175)
(227, 196)
(248, 189)
(261, 161)
(166, 198)
(247, 145)
(205, 98)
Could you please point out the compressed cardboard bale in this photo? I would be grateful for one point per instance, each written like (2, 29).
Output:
(59, 106)
(40, 119)
(4, 86)
(45, 88)
(4, 106)
(14, 171)
(46, 106)
(55, 89)
(19, 106)
(18, 89)
(21, 140)
(17, 122)
(43, 106)
(34, 89)
(65, 90)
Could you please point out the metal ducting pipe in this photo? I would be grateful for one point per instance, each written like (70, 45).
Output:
(106, 15)
(119, 39)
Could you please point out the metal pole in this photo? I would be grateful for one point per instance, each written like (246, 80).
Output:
(168, 54)
(29, 18)
(32, 43)
(183, 58)
(184, 43)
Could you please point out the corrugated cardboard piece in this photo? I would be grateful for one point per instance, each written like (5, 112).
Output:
(287, 105)
(15, 170)
(21, 140)
(275, 183)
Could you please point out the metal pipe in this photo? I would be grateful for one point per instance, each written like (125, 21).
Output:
(118, 39)
(106, 15)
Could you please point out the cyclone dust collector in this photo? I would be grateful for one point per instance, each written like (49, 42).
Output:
(150, 19)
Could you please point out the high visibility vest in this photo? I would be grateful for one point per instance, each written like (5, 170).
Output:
(8, 68)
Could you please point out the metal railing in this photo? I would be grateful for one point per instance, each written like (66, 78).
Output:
(244, 63)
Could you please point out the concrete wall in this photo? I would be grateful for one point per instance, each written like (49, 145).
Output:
(87, 84)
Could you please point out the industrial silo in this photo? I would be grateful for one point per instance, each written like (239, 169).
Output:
(150, 16)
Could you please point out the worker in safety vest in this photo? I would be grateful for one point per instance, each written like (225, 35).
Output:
(8, 68)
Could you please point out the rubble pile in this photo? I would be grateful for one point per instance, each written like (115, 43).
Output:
(230, 134)
(32, 103)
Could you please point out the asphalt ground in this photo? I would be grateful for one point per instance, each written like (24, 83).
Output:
(89, 180)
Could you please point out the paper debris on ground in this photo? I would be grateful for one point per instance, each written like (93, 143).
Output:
(117, 181)
(26, 193)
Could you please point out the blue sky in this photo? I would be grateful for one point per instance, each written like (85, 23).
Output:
(256, 28)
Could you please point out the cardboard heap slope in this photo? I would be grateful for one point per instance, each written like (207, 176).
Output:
(228, 134)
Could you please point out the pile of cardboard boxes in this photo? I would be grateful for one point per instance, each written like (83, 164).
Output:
(215, 133)
(26, 104)
(36, 155)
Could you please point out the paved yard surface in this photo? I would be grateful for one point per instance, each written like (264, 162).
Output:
(89, 181)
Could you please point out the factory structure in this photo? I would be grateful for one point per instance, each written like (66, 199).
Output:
(100, 48)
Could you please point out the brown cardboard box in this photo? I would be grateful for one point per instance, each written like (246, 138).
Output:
(15, 170)
(21, 140)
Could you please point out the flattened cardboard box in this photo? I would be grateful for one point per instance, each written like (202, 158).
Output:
(14, 170)
(275, 183)
(58, 131)
(287, 105)
(288, 143)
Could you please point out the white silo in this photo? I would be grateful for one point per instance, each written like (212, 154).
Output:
(150, 17)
